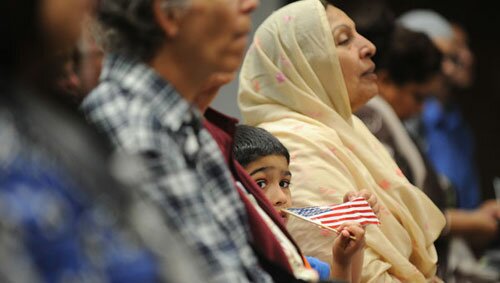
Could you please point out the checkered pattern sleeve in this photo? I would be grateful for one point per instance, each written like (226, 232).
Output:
(187, 177)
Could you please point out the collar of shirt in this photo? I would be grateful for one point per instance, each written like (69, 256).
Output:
(223, 130)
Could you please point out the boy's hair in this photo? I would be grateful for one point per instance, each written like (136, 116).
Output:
(252, 143)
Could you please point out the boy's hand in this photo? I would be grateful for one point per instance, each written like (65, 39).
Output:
(344, 247)
(367, 195)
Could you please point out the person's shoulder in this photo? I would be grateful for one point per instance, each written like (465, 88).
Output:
(127, 120)
(105, 94)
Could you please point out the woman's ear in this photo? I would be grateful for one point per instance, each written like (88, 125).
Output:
(168, 19)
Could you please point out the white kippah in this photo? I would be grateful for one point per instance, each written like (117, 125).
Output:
(428, 22)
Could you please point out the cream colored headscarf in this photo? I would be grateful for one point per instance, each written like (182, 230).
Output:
(292, 85)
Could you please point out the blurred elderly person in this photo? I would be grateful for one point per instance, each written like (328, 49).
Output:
(307, 71)
(164, 55)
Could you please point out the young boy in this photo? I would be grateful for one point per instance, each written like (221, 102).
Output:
(266, 160)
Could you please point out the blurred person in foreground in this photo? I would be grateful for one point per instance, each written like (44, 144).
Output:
(66, 213)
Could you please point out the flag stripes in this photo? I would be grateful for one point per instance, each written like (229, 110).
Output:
(333, 216)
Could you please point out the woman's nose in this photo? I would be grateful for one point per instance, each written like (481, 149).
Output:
(368, 49)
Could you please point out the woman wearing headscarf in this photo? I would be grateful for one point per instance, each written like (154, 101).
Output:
(307, 71)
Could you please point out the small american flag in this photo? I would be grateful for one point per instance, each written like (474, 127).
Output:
(333, 216)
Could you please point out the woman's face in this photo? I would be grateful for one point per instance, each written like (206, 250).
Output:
(62, 21)
(354, 53)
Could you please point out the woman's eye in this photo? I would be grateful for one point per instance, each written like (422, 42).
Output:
(284, 184)
(343, 38)
(261, 183)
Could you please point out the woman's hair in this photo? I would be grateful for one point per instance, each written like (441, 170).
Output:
(129, 26)
(252, 143)
(410, 57)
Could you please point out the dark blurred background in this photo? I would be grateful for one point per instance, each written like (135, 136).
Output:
(481, 106)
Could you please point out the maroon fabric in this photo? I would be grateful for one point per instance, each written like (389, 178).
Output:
(222, 129)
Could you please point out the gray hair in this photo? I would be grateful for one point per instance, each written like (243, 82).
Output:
(427, 21)
(129, 26)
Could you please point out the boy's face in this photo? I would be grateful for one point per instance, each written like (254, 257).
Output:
(272, 175)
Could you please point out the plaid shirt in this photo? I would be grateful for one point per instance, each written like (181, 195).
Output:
(189, 180)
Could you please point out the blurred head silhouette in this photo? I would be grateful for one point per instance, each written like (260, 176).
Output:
(37, 31)
(458, 61)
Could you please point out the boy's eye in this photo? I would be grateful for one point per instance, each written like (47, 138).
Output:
(284, 184)
(261, 183)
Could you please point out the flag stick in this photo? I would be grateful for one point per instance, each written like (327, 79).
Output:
(317, 224)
